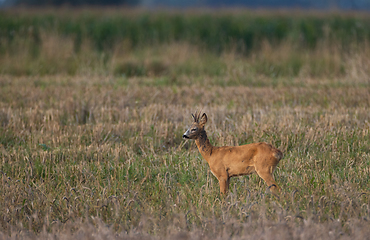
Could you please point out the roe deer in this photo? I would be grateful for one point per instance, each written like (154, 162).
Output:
(226, 162)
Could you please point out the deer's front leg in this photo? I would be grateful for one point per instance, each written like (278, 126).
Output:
(224, 184)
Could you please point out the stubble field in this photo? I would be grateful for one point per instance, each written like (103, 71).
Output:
(91, 139)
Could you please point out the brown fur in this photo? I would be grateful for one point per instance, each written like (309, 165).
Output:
(226, 162)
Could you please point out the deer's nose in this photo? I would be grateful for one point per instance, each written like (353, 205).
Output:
(185, 136)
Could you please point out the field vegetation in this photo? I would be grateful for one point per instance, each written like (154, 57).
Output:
(93, 105)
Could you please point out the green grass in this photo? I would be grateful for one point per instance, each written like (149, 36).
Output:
(138, 43)
(216, 31)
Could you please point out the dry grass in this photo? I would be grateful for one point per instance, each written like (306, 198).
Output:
(91, 157)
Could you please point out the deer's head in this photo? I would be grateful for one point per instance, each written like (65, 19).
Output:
(196, 127)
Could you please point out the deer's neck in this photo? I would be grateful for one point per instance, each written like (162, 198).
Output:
(204, 146)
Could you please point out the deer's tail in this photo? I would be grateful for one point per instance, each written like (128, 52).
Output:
(278, 154)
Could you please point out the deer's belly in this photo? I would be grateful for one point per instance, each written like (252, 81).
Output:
(240, 171)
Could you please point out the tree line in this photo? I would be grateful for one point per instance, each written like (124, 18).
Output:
(76, 2)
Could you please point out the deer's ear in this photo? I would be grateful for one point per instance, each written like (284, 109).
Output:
(203, 119)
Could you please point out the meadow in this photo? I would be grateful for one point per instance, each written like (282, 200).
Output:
(92, 117)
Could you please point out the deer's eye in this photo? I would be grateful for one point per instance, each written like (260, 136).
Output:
(193, 130)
